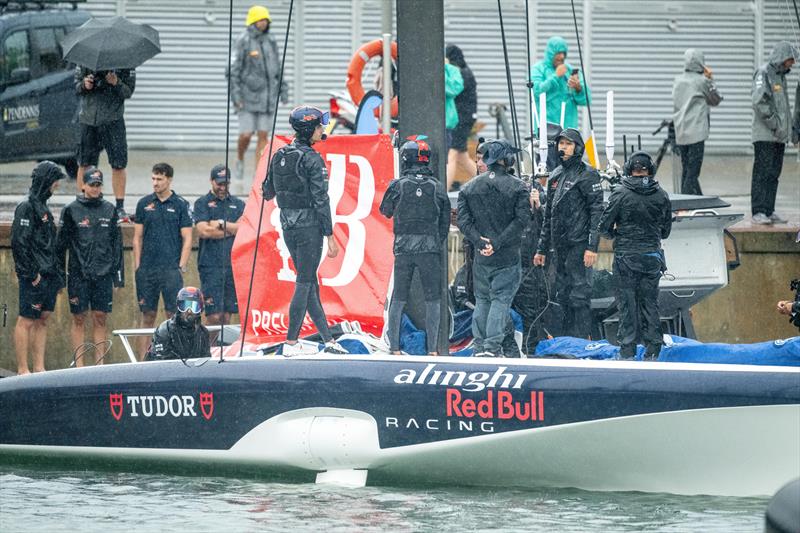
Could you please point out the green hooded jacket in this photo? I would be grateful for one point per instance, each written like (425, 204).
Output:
(543, 76)
(453, 85)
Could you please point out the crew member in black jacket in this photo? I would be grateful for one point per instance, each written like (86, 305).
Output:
(33, 245)
(89, 230)
(574, 205)
(182, 336)
(298, 179)
(421, 210)
(638, 216)
(493, 209)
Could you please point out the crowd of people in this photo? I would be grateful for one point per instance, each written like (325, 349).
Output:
(519, 235)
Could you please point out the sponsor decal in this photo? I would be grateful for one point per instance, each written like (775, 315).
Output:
(21, 114)
(149, 406)
(85, 222)
(468, 381)
(150, 207)
(499, 405)
(24, 222)
(212, 203)
(45, 217)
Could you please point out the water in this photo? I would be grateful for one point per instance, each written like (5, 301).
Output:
(45, 500)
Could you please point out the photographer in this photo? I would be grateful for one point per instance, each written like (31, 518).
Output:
(102, 98)
(792, 309)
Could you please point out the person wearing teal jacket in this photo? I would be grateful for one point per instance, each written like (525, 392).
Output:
(453, 85)
(561, 82)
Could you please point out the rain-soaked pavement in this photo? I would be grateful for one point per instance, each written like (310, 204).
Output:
(724, 176)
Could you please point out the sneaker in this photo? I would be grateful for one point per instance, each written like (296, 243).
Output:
(485, 354)
(238, 170)
(777, 219)
(123, 216)
(301, 347)
(761, 218)
(334, 348)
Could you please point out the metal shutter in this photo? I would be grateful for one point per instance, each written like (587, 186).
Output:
(637, 50)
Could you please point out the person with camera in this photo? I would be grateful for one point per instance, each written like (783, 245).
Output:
(569, 228)
(692, 93)
(33, 245)
(298, 179)
(418, 204)
(90, 237)
(638, 217)
(255, 83)
(493, 210)
(561, 82)
(102, 123)
(217, 217)
(789, 308)
(181, 336)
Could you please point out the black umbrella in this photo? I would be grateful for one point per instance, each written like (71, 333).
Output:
(111, 44)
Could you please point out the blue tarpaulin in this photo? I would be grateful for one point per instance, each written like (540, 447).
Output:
(782, 352)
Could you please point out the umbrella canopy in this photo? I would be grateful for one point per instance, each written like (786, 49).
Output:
(111, 44)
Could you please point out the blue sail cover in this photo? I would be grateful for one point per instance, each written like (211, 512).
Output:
(782, 352)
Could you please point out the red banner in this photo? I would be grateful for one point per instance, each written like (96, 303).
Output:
(353, 285)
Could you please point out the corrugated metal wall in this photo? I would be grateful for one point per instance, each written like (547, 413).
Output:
(633, 47)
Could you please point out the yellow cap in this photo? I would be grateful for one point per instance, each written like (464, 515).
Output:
(256, 13)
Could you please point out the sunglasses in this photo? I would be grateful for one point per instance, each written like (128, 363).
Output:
(95, 184)
(190, 305)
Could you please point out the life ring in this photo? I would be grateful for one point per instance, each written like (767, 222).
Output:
(362, 56)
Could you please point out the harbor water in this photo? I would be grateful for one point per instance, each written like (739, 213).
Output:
(35, 499)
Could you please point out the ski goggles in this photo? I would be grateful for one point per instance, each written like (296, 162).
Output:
(190, 305)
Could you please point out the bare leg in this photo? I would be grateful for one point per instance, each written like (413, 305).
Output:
(119, 177)
(39, 341)
(79, 180)
(241, 146)
(451, 167)
(99, 335)
(148, 321)
(76, 332)
(22, 335)
(468, 165)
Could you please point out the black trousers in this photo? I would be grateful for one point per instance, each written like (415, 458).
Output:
(636, 277)
(691, 162)
(305, 247)
(529, 302)
(573, 291)
(767, 167)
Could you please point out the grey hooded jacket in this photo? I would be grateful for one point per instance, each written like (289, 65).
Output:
(692, 94)
(771, 113)
(255, 72)
(796, 120)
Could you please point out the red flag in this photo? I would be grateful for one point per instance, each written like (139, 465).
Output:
(353, 285)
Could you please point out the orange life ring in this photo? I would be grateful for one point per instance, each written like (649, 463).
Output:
(362, 56)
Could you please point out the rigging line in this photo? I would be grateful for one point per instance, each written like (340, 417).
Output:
(269, 161)
(514, 124)
(580, 58)
(528, 81)
(227, 170)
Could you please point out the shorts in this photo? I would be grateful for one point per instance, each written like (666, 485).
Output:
(83, 293)
(110, 137)
(33, 301)
(460, 134)
(250, 121)
(152, 282)
(211, 284)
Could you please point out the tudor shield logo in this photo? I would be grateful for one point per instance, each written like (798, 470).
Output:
(207, 404)
(115, 403)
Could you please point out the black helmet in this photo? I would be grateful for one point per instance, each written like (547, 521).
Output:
(190, 304)
(415, 150)
(639, 161)
(498, 151)
(573, 136)
(305, 119)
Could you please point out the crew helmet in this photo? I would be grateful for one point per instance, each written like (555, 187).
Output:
(256, 13)
(639, 161)
(190, 299)
(305, 119)
(415, 150)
